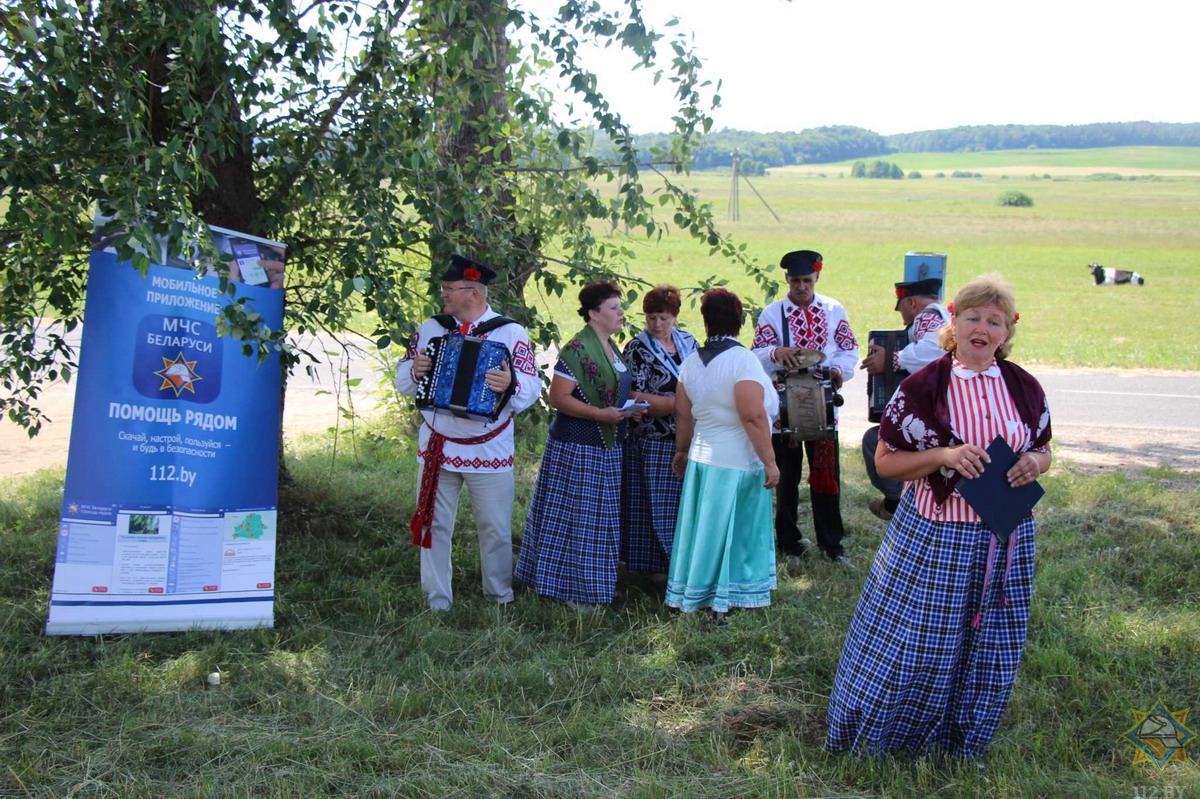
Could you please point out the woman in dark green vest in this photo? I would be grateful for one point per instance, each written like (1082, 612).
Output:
(571, 542)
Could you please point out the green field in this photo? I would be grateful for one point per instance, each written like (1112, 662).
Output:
(864, 227)
(1141, 161)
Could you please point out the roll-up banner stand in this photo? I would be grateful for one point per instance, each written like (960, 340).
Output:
(168, 518)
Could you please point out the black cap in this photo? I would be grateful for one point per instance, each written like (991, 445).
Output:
(929, 287)
(462, 268)
(801, 262)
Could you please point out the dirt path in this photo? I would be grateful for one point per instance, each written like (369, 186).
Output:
(309, 408)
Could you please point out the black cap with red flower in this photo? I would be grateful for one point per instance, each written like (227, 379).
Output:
(801, 262)
(462, 268)
(927, 287)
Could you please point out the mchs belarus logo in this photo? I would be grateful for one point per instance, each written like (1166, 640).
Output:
(1160, 735)
(177, 358)
(178, 373)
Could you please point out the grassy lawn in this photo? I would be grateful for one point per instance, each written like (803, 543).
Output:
(359, 691)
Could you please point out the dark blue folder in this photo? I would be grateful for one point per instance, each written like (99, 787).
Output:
(999, 505)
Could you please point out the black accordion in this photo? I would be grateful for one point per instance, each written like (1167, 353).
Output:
(882, 386)
(455, 382)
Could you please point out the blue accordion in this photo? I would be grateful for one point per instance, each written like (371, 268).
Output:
(456, 384)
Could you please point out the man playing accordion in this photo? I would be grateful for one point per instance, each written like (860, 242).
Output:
(917, 303)
(456, 449)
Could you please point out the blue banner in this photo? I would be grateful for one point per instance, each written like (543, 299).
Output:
(169, 508)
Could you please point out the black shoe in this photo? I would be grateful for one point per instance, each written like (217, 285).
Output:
(793, 553)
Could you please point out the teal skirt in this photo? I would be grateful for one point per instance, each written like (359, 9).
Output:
(724, 551)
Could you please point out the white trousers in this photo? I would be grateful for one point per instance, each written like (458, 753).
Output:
(492, 503)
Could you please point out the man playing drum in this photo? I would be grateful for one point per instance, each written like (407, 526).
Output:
(806, 321)
(917, 302)
(455, 451)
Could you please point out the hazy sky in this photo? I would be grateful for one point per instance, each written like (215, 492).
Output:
(896, 67)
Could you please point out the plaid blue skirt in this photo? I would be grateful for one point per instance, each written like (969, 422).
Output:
(724, 551)
(914, 676)
(649, 504)
(571, 539)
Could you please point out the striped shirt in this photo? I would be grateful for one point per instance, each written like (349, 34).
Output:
(981, 408)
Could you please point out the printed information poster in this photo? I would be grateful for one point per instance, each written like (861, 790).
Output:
(169, 509)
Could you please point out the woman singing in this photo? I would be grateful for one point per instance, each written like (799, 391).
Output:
(932, 652)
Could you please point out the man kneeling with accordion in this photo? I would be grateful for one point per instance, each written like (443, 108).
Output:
(893, 355)
(470, 371)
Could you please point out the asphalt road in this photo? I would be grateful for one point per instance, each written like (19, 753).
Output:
(1130, 418)
(1123, 419)
(1102, 418)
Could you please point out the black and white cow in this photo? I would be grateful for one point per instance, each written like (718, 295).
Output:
(1107, 276)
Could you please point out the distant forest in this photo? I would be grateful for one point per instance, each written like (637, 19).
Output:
(761, 151)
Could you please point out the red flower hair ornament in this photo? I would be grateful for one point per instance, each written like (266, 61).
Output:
(471, 273)
(817, 265)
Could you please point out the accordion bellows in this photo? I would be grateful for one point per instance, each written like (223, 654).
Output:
(456, 381)
(881, 387)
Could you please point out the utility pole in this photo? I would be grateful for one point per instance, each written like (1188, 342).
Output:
(733, 213)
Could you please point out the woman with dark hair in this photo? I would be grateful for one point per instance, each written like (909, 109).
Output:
(931, 655)
(650, 492)
(569, 548)
(724, 550)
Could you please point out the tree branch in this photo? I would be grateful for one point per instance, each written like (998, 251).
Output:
(326, 120)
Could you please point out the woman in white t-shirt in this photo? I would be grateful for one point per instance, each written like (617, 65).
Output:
(724, 551)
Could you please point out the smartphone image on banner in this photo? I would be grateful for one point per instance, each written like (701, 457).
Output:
(246, 254)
